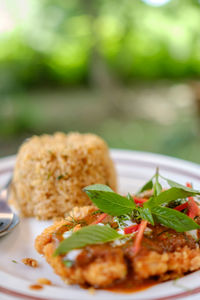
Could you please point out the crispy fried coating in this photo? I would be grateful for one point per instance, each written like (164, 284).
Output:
(78, 213)
(165, 254)
(175, 264)
(105, 265)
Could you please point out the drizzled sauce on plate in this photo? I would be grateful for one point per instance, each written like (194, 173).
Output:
(130, 285)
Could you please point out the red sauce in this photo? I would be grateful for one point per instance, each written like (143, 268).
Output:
(131, 285)
(35, 287)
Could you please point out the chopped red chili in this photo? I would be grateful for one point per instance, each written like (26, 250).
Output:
(188, 184)
(181, 206)
(193, 208)
(100, 218)
(139, 236)
(139, 200)
(131, 229)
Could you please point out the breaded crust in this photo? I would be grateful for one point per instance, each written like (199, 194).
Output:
(102, 271)
(45, 237)
(172, 264)
(103, 265)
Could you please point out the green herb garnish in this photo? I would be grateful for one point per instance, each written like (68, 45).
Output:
(68, 263)
(154, 210)
(14, 261)
(173, 219)
(157, 187)
(174, 203)
(169, 195)
(146, 187)
(108, 201)
(121, 220)
(180, 186)
(89, 235)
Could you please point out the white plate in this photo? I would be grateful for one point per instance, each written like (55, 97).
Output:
(133, 168)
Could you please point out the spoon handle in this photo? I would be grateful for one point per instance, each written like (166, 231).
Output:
(6, 186)
(6, 215)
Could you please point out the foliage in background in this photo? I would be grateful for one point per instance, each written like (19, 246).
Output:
(58, 42)
(47, 46)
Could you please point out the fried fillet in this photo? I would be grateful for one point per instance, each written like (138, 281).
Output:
(105, 266)
(165, 254)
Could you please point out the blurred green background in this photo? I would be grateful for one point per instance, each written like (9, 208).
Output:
(126, 70)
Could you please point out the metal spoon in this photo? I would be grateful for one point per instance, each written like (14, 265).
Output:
(11, 227)
(6, 213)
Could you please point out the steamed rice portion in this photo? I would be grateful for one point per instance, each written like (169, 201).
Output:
(51, 171)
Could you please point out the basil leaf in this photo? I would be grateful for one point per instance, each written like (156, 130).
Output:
(89, 235)
(98, 187)
(157, 187)
(173, 219)
(180, 186)
(146, 214)
(110, 202)
(169, 195)
(146, 187)
(131, 198)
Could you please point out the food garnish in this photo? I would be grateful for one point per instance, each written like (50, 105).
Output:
(108, 201)
(60, 177)
(100, 218)
(131, 229)
(68, 263)
(89, 235)
(181, 206)
(193, 209)
(138, 239)
(139, 200)
(143, 211)
(14, 261)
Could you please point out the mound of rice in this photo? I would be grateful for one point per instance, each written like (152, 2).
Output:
(51, 171)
